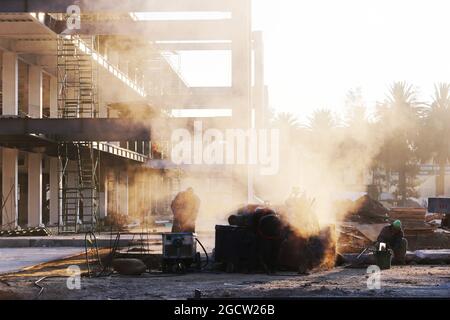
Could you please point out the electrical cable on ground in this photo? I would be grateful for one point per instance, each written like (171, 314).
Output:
(204, 250)
(38, 284)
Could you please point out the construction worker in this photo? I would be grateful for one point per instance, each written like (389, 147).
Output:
(393, 236)
(185, 210)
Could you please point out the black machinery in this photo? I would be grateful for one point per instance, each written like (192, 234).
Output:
(236, 248)
(179, 252)
(250, 242)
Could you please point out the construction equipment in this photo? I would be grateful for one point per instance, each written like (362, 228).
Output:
(366, 249)
(79, 161)
(236, 248)
(383, 256)
(179, 252)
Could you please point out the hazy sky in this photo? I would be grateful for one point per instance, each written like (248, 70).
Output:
(317, 50)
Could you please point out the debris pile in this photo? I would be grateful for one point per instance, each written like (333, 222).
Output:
(361, 221)
(367, 210)
(29, 232)
(413, 220)
(351, 239)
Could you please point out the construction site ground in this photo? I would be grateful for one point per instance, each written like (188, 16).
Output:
(23, 266)
(399, 281)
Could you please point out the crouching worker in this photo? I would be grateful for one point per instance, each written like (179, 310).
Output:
(185, 210)
(393, 236)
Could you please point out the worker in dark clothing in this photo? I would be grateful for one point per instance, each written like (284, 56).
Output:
(393, 236)
(185, 210)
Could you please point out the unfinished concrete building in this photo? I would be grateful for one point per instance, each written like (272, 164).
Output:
(72, 83)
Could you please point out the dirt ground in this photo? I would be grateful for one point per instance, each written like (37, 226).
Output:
(399, 281)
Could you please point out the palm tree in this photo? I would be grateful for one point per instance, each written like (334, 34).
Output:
(320, 132)
(322, 121)
(286, 120)
(289, 127)
(398, 119)
(435, 133)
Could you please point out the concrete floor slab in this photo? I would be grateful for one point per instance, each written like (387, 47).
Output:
(103, 240)
(14, 259)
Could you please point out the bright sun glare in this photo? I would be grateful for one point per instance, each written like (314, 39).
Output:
(316, 51)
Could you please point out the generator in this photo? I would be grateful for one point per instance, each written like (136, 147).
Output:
(236, 248)
(179, 252)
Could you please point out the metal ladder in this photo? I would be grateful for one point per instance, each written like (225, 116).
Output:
(77, 98)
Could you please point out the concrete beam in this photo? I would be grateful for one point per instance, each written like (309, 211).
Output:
(7, 44)
(161, 30)
(195, 100)
(193, 46)
(98, 6)
(23, 29)
(35, 46)
(80, 129)
(198, 97)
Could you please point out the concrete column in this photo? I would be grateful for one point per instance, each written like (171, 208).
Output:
(35, 159)
(103, 197)
(241, 87)
(87, 206)
(10, 106)
(10, 84)
(123, 193)
(55, 179)
(34, 189)
(72, 185)
(35, 92)
(109, 197)
(259, 88)
(10, 213)
(55, 186)
(102, 98)
(241, 62)
(53, 97)
(116, 191)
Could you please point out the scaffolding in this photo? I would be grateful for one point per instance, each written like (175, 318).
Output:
(78, 161)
